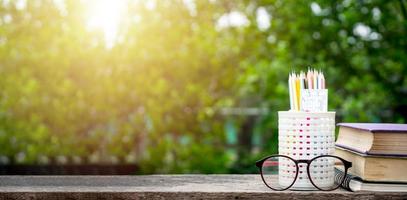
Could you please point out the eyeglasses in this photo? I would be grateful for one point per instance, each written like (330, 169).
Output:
(280, 172)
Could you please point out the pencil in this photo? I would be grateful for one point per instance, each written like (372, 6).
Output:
(290, 88)
(302, 86)
(293, 77)
(309, 79)
(320, 80)
(297, 87)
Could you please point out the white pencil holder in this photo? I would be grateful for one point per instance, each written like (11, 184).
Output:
(305, 135)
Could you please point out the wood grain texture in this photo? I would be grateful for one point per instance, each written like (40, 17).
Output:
(162, 187)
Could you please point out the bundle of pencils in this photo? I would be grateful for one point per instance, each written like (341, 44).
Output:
(312, 80)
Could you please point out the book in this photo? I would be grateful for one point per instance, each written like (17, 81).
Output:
(354, 183)
(375, 168)
(374, 138)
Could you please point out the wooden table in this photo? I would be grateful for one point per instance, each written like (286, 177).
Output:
(162, 187)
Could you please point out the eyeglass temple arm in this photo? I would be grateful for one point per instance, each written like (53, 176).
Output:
(349, 164)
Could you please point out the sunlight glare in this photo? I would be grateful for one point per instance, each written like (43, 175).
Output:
(106, 16)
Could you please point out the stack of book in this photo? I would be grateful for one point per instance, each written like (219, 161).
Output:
(378, 153)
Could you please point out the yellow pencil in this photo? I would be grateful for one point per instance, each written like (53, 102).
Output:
(293, 78)
(297, 89)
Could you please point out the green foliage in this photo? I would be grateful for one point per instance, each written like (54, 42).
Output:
(154, 97)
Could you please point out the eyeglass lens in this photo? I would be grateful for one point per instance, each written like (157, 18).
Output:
(322, 172)
(279, 172)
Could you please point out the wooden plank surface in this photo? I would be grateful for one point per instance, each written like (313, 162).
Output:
(162, 187)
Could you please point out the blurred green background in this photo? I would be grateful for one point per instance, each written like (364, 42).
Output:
(189, 86)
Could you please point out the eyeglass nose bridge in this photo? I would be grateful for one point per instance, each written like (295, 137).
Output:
(302, 161)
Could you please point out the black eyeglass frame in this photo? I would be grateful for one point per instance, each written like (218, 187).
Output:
(346, 163)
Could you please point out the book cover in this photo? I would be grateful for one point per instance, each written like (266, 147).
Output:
(370, 154)
(377, 127)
